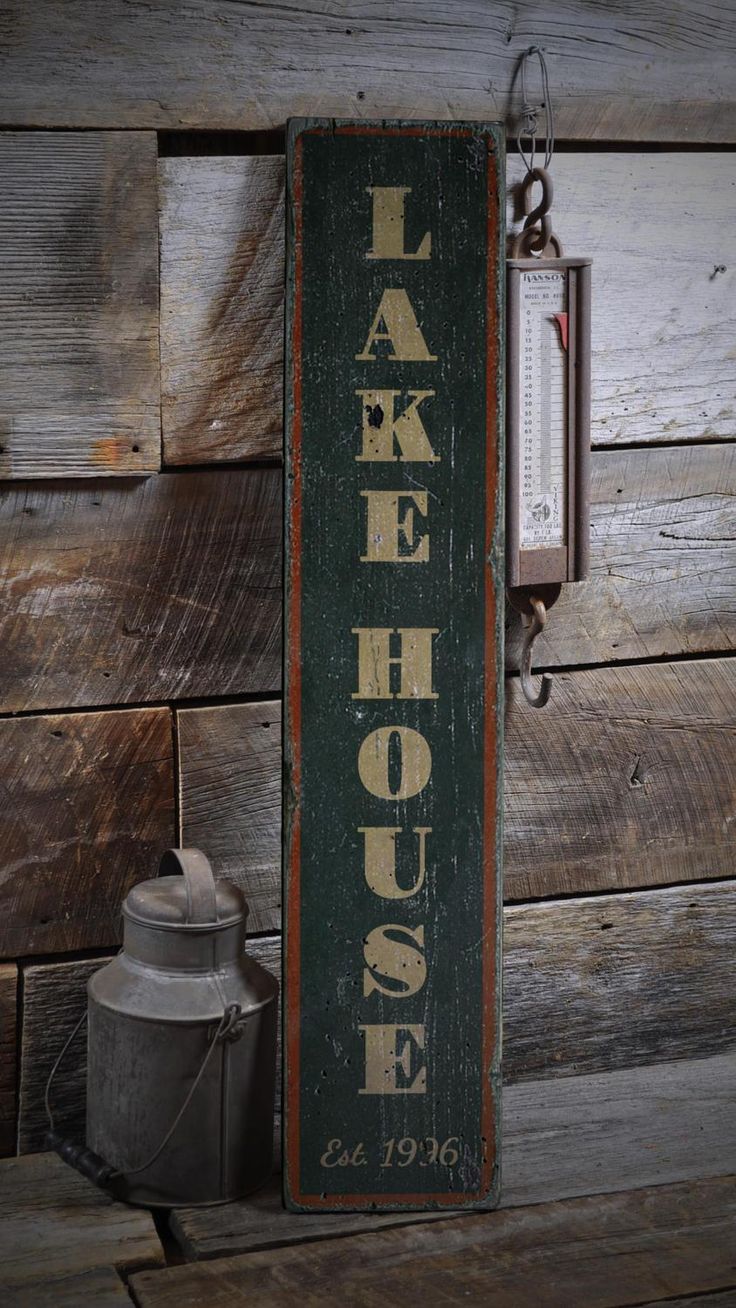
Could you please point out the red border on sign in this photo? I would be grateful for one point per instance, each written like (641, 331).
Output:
(293, 706)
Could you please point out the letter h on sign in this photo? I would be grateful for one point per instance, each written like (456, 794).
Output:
(392, 675)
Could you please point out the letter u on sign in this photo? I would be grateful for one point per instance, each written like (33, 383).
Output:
(392, 675)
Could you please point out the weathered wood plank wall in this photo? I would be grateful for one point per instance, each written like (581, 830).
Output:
(156, 602)
(571, 968)
(622, 72)
(79, 305)
(663, 315)
(90, 807)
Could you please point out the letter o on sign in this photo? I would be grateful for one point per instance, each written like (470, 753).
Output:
(415, 765)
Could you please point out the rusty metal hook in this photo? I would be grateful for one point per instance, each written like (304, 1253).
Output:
(534, 623)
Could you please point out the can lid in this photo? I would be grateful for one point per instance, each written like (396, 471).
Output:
(192, 900)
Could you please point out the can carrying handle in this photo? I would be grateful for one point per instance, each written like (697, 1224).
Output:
(194, 866)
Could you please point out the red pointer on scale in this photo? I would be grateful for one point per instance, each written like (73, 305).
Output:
(561, 320)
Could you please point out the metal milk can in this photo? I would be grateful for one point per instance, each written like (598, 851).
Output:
(182, 1045)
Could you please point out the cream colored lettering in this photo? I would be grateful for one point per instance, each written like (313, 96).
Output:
(388, 1048)
(388, 225)
(375, 662)
(395, 960)
(386, 531)
(414, 764)
(382, 427)
(395, 321)
(379, 861)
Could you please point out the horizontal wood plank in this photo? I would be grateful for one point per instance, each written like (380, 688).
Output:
(57, 1231)
(135, 592)
(626, 781)
(79, 305)
(603, 1252)
(99, 1287)
(663, 318)
(662, 562)
(222, 308)
(618, 980)
(180, 597)
(88, 811)
(8, 1056)
(571, 969)
(575, 1136)
(650, 74)
(663, 325)
(54, 999)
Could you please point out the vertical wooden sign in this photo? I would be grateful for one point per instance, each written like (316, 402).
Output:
(392, 679)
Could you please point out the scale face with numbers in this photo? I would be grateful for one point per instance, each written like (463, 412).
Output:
(548, 403)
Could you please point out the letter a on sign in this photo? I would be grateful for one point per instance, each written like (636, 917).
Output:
(392, 675)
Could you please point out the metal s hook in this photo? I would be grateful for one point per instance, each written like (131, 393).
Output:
(534, 623)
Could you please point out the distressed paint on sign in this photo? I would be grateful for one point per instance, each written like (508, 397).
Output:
(392, 664)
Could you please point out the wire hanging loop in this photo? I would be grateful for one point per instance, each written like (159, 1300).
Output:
(534, 623)
(530, 112)
(537, 237)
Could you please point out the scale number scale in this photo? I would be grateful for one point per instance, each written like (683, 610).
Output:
(542, 384)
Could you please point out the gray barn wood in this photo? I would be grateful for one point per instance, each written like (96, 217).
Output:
(143, 591)
(8, 1056)
(627, 781)
(88, 804)
(56, 1227)
(630, 1248)
(222, 295)
(230, 805)
(662, 561)
(181, 597)
(649, 73)
(79, 305)
(662, 328)
(571, 969)
(574, 1136)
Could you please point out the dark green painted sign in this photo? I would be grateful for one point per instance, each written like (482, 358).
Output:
(392, 738)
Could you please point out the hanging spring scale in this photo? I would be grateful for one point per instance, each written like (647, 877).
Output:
(548, 400)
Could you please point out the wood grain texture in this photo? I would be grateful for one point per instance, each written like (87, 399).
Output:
(8, 1056)
(613, 1250)
(222, 293)
(54, 999)
(580, 1135)
(618, 980)
(56, 1227)
(653, 73)
(99, 1287)
(230, 803)
(79, 305)
(627, 780)
(130, 592)
(663, 322)
(724, 1299)
(662, 575)
(88, 800)
(571, 969)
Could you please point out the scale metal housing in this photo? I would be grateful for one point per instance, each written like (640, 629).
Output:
(548, 421)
